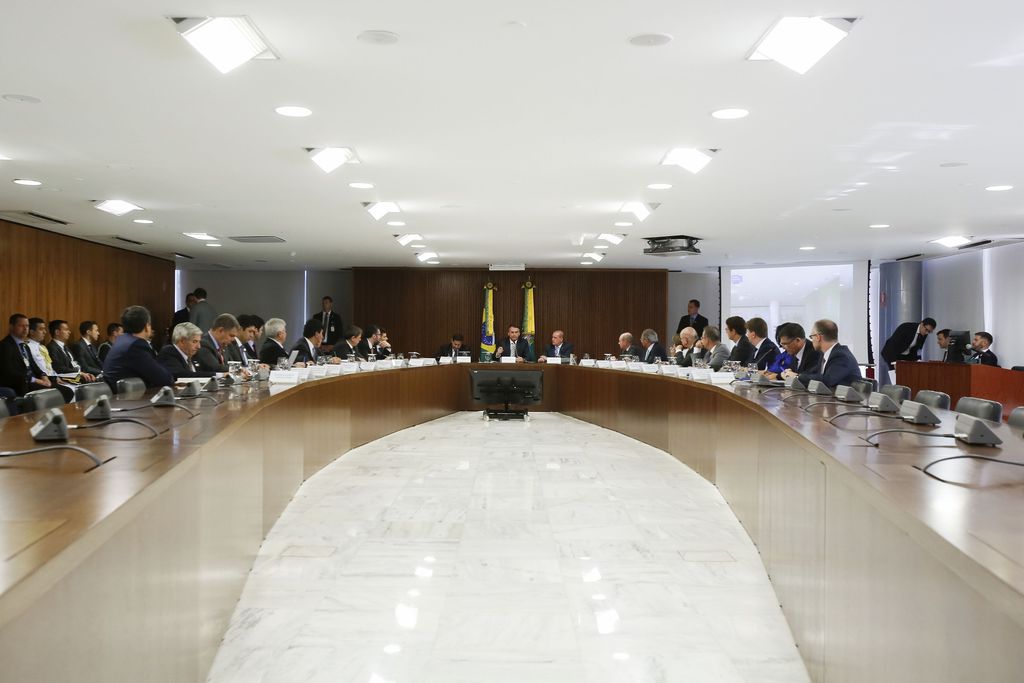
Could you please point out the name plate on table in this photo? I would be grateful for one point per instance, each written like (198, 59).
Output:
(700, 375)
(605, 364)
(619, 365)
(722, 377)
(398, 363)
(445, 360)
(555, 359)
(650, 369)
(670, 370)
(349, 368)
(333, 370)
(367, 366)
(635, 367)
(464, 359)
(588, 363)
(508, 359)
(284, 377)
(317, 371)
(416, 362)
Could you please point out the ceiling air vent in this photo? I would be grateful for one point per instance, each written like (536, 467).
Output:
(125, 239)
(975, 244)
(257, 239)
(907, 258)
(32, 218)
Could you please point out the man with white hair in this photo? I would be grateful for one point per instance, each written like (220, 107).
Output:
(652, 349)
(273, 348)
(686, 354)
(177, 356)
(627, 347)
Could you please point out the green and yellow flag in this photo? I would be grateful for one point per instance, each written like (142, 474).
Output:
(529, 322)
(487, 346)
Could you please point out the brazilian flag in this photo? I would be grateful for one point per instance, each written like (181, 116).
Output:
(487, 346)
(529, 322)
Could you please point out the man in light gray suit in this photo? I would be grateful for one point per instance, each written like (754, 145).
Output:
(714, 352)
(202, 314)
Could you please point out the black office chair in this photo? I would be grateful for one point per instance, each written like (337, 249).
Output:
(897, 392)
(980, 407)
(92, 391)
(1016, 419)
(1018, 368)
(131, 387)
(864, 386)
(933, 399)
(42, 399)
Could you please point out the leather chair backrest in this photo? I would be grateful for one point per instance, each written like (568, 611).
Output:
(864, 386)
(43, 399)
(897, 392)
(131, 386)
(92, 391)
(980, 407)
(933, 399)
(1016, 420)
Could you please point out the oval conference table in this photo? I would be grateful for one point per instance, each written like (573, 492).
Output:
(130, 572)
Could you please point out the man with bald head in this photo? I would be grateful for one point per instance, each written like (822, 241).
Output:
(687, 340)
(627, 347)
(558, 349)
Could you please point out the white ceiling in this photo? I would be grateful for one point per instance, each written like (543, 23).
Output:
(503, 141)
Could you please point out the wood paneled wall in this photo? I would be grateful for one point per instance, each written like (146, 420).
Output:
(50, 275)
(422, 308)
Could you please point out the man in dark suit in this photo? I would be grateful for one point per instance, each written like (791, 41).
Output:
(693, 319)
(177, 356)
(309, 346)
(213, 353)
(906, 342)
(797, 354)
(452, 350)
(18, 370)
(765, 349)
(982, 342)
(713, 351)
(351, 345)
(652, 350)
(558, 348)
(84, 349)
(132, 355)
(114, 330)
(60, 354)
(514, 346)
(687, 347)
(942, 339)
(374, 345)
(273, 348)
(331, 322)
(202, 313)
(627, 347)
(183, 315)
(837, 366)
(736, 331)
(41, 357)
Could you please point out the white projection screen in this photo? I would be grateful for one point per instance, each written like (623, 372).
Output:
(802, 294)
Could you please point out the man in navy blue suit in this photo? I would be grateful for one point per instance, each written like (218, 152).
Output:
(558, 348)
(837, 366)
(132, 355)
(514, 346)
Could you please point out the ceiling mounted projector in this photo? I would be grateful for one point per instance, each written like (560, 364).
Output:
(672, 245)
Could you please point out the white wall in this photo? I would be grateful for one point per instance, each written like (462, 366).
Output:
(685, 286)
(293, 295)
(1005, 310)
(953, 295)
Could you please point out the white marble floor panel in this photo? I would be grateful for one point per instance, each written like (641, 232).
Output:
(471, 551)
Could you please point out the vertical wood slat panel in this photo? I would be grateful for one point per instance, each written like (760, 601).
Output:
(421, 308)
(52, 276)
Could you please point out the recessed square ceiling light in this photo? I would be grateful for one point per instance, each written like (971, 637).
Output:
(586, 263)
(225, 42)
(213, 244)
(730, 114)
(293, 111)
(118, 207)
(361, 186)
(659, 186)
(396, 224)
(143, 221)
(798, 43)
(879, 225)
(594, 256)
(693, 160)
(4, 157)
(406, 240)
(332, 158)
(433, 263)
(638, 209)
(623, 224)
(999, 188)
(807, 248)
(601, 246)
(426, 256)
(380, 209)
(27, 182)
(418, 246)
(952, 241)
(609, 237)
(199, 236)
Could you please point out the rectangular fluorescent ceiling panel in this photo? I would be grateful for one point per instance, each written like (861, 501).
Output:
(426, 256)
(332, 158)
(406, 240)
(118, 207)
(257, 239)
(640, 210)
(610, 237)
(798, 43)
(380, 209)
(506, 266)
(594, 256)
(200, 236)
(693, 160)
(953, 241)
(225, 42)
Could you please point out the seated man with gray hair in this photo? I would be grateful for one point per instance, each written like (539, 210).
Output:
(714, 353)
(652, 349)
(627, 347)
(687, 341)
(178, 356)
